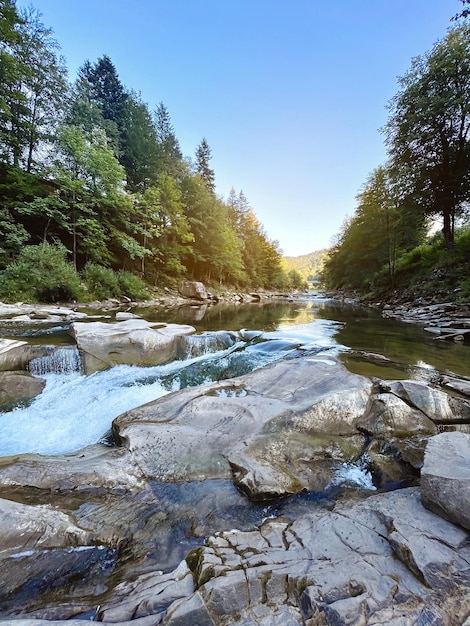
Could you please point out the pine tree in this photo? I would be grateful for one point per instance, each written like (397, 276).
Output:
(203, 156)
(172, 157)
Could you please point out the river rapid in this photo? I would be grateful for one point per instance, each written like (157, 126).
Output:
(75, 410)
(154, 528)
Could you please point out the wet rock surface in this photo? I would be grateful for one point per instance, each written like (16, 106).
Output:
(447, 320)
(18, 388)
(382, 560)
(445, 477)
(185, 465)
(133, 342)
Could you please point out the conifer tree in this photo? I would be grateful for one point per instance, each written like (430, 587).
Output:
(203, 157)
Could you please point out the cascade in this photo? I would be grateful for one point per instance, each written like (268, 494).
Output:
(63, 360)
(205, 343)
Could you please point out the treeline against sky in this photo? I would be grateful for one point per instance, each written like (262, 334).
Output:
(425, 180)
(89, 168)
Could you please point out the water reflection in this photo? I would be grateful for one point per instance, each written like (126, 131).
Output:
(412, 352)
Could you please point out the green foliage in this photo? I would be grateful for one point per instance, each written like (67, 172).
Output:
(296, 280)
(90, 169)
(203, 156)
(423, 257)
(382, 228)
(309, 266)
(464, 287)
(103, 282)
(40, 274)
(132, 286)
(427, 132)
(32, 89)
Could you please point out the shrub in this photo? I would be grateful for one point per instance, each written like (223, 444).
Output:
(101, 281)
(464, 293)
(40, 274)
(132, 286)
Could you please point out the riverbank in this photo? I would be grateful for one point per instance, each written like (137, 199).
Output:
(446, 320)
(167, 298)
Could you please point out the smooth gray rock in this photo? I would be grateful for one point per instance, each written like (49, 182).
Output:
(437, 405)
(386, 559)
(18, 388)
(15, 354)
(445, 477)
(92, 470)
(272, 419)
(24, 527)
(387, 415)
(457, 384)
(131, 342)
(155, 592)
(193, 289)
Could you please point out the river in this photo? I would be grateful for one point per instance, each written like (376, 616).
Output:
(154, 528)
(76, 410)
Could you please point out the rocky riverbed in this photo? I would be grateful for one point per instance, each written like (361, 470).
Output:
(227, 503)
(82, 534)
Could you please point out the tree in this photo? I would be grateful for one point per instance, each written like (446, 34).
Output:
(427, 133)
(465, 12)
(171, 155)
(101, 100)
(141, 154)
(33, 89)
(166, 229)
(384, 225)
(90, 181)
(203, 156)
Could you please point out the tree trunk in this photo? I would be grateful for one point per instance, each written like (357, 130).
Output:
(447, 227)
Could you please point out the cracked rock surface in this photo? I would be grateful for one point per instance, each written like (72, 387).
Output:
(385, 560)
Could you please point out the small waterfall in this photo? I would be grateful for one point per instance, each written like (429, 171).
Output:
(65, 360)
(191, 346)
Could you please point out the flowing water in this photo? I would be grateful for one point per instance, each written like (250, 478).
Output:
(76, 410)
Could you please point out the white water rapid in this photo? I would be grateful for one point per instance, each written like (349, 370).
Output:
(75, 410)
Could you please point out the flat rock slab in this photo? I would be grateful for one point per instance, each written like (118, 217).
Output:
(266, 417)
(16, 354)
(131, 342)
(445, 477)
(25, 527)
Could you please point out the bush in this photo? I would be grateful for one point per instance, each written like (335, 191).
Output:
(464, 293)
(40, 274)
(101, 281)
(132, 286)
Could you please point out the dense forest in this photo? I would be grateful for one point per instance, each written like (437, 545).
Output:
(410, 230)
(96, 197)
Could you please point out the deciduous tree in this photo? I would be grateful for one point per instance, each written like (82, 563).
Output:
(428, 132)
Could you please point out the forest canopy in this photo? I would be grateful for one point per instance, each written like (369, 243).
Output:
(89, 168)
(412, 213)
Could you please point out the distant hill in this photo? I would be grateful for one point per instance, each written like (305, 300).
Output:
(309, 265)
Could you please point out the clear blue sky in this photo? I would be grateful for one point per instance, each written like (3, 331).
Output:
(290, 94)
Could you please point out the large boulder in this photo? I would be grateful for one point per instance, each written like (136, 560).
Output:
(445, 477)
(193, 289)
(272, 419)
(97, 469)
(131, 342)
(18, 388)
(16, 355)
